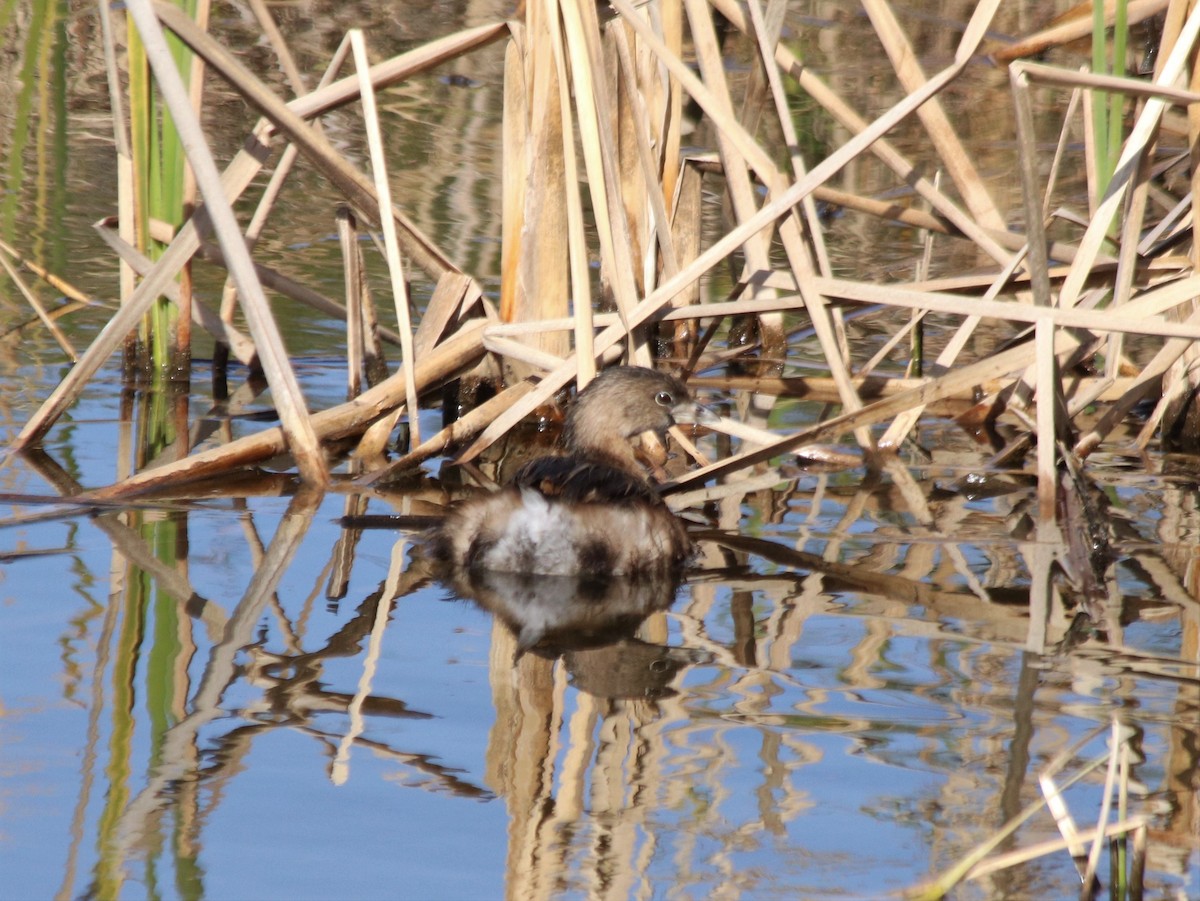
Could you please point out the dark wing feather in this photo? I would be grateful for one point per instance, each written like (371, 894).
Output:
(575, 480)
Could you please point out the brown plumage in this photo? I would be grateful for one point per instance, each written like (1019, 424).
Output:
(590, 511)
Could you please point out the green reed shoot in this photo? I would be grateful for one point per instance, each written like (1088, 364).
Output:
(1108, 108)
(160, 173)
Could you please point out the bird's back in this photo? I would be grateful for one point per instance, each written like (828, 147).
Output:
(566, 516)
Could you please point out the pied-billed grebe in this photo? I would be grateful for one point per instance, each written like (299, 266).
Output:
(590, 512)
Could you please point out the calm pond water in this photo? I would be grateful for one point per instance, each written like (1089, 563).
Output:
(241, 698)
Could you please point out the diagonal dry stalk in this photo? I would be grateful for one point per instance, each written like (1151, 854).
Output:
(388, 224)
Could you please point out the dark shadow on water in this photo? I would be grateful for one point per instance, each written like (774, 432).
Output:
(590, 623)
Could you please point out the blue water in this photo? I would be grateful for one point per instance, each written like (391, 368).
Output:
(824, 739)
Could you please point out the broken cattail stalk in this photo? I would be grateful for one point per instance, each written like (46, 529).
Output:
(351, 418)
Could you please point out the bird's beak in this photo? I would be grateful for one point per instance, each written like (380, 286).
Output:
(692, 413)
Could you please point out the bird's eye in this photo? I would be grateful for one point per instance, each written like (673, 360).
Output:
(664, 399)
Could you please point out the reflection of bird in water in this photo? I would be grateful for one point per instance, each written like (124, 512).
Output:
(630, 668)
(590, 512)
(590, 623)
(557, 613)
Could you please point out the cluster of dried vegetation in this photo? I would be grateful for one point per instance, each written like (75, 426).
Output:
(598, 100)
(616, 91)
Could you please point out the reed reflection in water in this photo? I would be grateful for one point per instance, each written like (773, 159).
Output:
(843, 689)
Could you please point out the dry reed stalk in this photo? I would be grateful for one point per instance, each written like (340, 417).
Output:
(718, 105)
(898, 430)
(1037, 263)
(533, 358)
(1091, 158)
(258, 221)
(884, 209)
(352, 418)
(885, 351)
(283, 168)
(1048, 395)
(996, 366)
(627, 116)
(125, 179)
(533, 280)
(524, 85)
(1149, 272)
(1127, 256)
(1142, 315)
(195, 86)
(766, 35)
(1132, 87)
(374, 361)
(594, 109)
(222, 330)
(278, 45)
(664, 101)
(453, 296)
(667, 18)
(686, 218)
(14, 328)
(1150, 378)
(1060, 151)
(397, 69)
(715, 310)
(1037, 255)
(1170, 224)
(822, 390)
(635, 124)
(68, 290)
(579, 264)
(1053, 846)
(391, 241)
